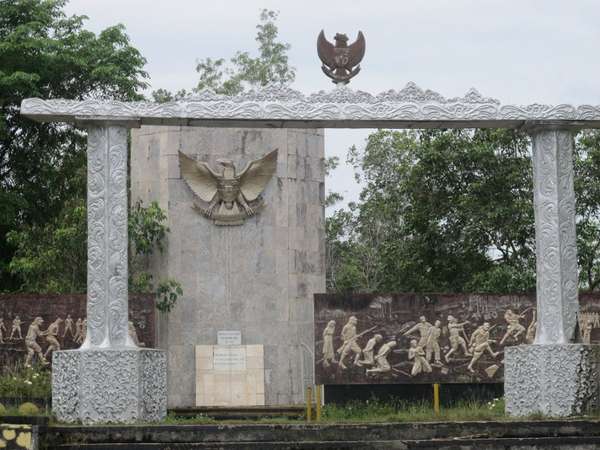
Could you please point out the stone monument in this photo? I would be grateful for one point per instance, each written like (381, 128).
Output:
(237, 259)
(249, 254)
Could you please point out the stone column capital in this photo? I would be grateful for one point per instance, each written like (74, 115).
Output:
(533, 127)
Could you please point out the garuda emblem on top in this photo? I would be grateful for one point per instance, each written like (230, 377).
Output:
(339, 61)
(225, 196)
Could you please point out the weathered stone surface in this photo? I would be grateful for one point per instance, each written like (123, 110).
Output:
(258, 277)
(554, 380)
(109, 386)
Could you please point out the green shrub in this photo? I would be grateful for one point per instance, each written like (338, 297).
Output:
(26, 383)
(2, 410)
(29, 409)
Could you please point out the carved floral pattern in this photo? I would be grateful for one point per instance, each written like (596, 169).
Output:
(280, 102)
(556, 251)
(109, 386)
(107, 236)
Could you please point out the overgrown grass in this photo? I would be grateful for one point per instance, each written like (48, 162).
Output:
(377, 411)
(372, 411)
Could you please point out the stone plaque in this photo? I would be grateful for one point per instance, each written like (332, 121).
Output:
(427, 338)
(230, 375)
(229, 337)
(229, 358)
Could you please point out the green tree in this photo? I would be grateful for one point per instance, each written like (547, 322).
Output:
(443, 210)
(452, 210)
(271, 65)
(243, 71)
(44, 53)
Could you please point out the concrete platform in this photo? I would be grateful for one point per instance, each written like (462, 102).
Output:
(521, 435)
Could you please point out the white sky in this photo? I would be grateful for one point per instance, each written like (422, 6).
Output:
(519, 51)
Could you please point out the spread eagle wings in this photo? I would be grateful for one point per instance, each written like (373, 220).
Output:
(199, 177)
(357, 50)
(256, 175)
(326, 50)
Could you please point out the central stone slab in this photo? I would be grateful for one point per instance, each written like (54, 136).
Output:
(230, 375)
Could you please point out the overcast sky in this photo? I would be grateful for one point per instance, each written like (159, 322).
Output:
(519, 51)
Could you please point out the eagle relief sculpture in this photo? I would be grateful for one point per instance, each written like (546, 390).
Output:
(223, 195)
(339, 61)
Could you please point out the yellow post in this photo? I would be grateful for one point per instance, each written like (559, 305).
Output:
(308, 403)
(436, 399)
(318, 397)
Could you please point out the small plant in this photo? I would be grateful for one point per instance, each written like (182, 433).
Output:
(167, 293)
(147, 232)
(26, 384)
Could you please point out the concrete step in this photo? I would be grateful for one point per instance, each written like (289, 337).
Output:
(547, 443)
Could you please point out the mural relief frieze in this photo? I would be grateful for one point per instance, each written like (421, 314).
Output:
(411, 338)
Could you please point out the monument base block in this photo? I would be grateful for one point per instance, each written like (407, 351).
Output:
(557, 380)
(123, 385)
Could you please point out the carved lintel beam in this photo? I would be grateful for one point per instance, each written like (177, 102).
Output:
(556, 249)
(280, 106)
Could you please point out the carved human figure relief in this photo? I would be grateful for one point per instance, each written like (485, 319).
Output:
(78, 331)
(2, 330)
(68, 326)
(349, 338)
(432, 344)
(480, 343)
(531, 329)
(133, 335)
(369, 351)
(223, 195)
(382, 365)
(422, 327)
(416, 354)
(31, 344)
(328, 351)
(514, 329)
(586, 331)
(51, 334)
(457, 337)
(16, 328)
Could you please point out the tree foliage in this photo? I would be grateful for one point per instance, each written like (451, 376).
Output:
(452, 211)
(243, 71)
(44, 53)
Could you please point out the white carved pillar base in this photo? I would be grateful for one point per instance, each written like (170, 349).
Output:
(553, 377)
(554, 380)
(109, 386)
(109, 379)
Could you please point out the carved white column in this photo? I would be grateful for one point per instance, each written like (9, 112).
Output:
(553, 376)
(556, 247)
(109, 379)
(107, 312)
